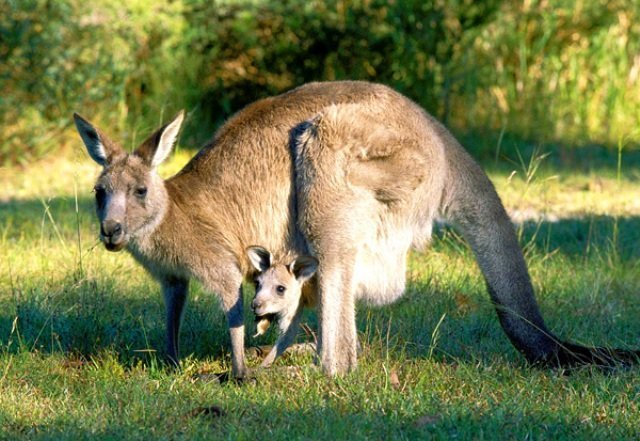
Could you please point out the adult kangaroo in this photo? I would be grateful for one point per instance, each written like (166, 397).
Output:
(352, 172)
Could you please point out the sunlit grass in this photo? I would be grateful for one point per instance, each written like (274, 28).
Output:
(81, 330)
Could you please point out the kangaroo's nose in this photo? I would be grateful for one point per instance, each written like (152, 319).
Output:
(111, 228)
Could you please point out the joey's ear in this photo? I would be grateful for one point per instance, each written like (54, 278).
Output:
(260, 258)
(156, 148)
(304, 267)
(100, 148)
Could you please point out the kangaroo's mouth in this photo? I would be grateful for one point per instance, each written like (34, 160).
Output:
(113, 245)
(262, 323)
(264, 310)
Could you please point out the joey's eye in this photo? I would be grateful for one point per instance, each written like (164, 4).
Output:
(280, 289)
(141, 192)
(257, 285)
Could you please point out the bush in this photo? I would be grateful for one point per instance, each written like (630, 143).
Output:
(246, 50)
(558, 69)
(67, 55)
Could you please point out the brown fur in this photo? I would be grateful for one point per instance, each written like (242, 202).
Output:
(354, 173)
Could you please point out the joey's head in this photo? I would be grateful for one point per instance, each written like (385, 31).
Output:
(131, 198)
(278, 285)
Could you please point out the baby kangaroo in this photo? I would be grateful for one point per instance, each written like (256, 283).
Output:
(281, 294)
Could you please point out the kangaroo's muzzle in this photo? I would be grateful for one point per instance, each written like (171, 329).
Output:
(112, 235)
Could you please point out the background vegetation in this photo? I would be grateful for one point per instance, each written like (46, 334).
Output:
(544, 93)
(538, 69)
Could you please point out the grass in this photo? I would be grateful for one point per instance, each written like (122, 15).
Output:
(81, 329)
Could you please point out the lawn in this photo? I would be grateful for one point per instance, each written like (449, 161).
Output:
(81, 329)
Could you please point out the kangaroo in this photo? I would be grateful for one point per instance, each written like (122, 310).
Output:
(351, 172)
(282, 292)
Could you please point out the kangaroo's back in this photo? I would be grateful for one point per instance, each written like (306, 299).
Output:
(242, 181)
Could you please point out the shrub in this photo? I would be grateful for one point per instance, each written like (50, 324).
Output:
(556, 69)
(66, 55)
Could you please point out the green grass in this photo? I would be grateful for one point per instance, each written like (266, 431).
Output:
(81, 329)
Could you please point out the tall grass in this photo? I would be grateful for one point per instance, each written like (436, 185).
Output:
(560, 70)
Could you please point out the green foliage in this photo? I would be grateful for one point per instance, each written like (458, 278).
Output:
(560, 69)
(247, 50)
(69, 55)
(542, 70)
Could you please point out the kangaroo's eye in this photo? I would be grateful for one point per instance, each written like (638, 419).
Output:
(100, 191)
(141, 192)
(280, 289)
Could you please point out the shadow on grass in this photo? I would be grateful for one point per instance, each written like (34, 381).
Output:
(499, 151)
(20, 219)
(578, 237)
(451, 317)
(87, 317)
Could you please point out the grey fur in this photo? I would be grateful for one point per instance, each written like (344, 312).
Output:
(351, 172)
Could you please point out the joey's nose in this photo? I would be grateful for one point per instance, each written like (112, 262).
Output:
(256, 304)
(111, 228)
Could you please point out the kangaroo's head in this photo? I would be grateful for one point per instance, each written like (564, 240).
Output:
(131, 198)
(278, 285)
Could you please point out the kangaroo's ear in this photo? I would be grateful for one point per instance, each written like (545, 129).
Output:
(156, 148)
(304, 267)
(100, 148)
(260, 258)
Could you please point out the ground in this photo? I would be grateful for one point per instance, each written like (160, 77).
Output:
(81, 329)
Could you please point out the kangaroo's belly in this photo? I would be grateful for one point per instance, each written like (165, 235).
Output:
(381, 266)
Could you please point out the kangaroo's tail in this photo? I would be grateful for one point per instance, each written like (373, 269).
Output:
(471, 203)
